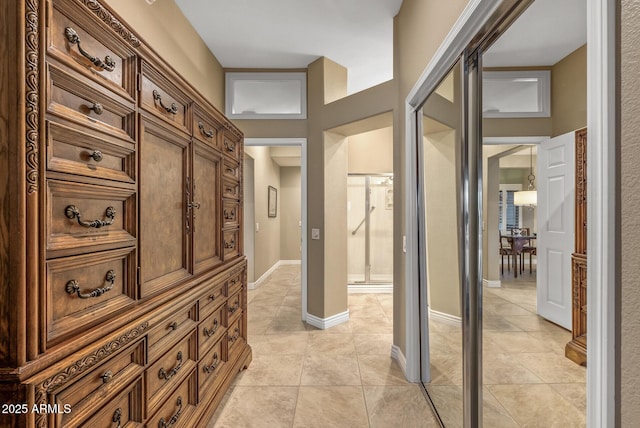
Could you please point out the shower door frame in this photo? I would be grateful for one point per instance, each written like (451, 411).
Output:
(367, 228)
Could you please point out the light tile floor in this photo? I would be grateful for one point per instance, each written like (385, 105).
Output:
(344, 376)
(527, 380)
(304, 377)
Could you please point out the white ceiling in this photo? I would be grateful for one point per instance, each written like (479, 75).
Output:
(358, 34)
(547, 31)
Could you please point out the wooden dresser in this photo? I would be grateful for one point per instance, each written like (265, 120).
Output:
(576, 349)
(122, 275)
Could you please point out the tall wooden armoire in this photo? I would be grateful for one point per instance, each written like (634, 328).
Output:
(576, 350)
(122, 275)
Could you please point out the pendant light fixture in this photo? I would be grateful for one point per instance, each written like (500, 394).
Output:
(527, 197)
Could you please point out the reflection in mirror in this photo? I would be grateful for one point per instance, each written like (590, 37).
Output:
(440, 244)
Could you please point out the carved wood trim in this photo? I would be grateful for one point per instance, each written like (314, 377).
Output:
(95, 7)
(32, 76)
(81, 366)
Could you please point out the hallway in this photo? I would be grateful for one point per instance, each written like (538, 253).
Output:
(304, 377)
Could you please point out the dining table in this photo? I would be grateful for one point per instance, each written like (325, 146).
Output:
(517, 243)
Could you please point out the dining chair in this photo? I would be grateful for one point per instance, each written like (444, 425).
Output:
(506, 250)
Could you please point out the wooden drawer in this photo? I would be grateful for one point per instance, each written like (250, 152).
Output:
(72, 97)
(234, 283)
(178, 407)
(231, 169)
(236, 336)
(73, 151)
(234, 307)
(231, 244)
(163, 99)
(106, 58)
(169, 370)
(230, 214)
(210, 330)
(211, 368)
(215, 296)
(86, 215)
(169, 330)
(125, 410)
(231, 146)
(205, 128)
(84, 290)
(89, 394)
(230, 189)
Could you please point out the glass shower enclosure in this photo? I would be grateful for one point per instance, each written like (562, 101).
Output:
(370, 228)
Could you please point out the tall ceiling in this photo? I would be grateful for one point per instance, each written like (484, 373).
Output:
(358, 34)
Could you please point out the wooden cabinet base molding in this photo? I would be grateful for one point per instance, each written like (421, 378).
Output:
(123, 283)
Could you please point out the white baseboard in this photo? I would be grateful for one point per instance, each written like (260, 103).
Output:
(267, 274)
(445, 318)
(396, 354)
(371, 288)
(325, 323)
(491, 283)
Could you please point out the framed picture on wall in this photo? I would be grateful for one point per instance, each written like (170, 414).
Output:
(272, 202)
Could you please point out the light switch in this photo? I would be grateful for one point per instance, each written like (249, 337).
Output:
(257, 227)
(404, 243)
(315, 233)
(299, 223)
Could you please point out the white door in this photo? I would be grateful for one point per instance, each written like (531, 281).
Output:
(555, 241)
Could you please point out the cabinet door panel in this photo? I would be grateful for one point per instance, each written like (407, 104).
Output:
(206, 211)
(164, 256)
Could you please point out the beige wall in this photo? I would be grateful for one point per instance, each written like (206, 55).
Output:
(290, 202)
(569, 93)
(419, 29)
(440, 178)
(267, 239)
(166, 30)
(371, 152)
(630, 206)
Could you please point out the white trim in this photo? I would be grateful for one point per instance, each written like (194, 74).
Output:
(445, 318)
(491, 283)
(325, 323)
(264, 77)
(601, 212)
(473, 17)
(290, 262)
(513, 140)
(302, 143)
(257, 283)
(371, 288)
(396, 354)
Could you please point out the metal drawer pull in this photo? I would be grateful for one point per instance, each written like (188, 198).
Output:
(231, 171)
(229, 146)
(97, 108)
(212, 297)
(235, 336)
(211, 332)
(206, 133)
(214, 364)
(229, 244)
(229, 215)
(163, 374)
(72, 212)
(174, 418)
(117, 415)
(107, 376)
(72, 36)
(233, 282)
(234, 308)
(74, 287)
(96, 155)
(173, 326)
(173, 108)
